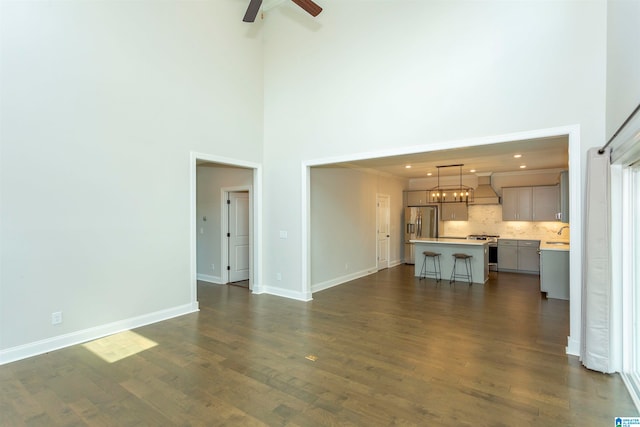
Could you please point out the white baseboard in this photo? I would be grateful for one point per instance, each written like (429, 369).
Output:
(573, 347)
(395, 263)
(281, 292)
(210, 279)
(55, 343)
(304, 296)
(632, 381)
(342, 279)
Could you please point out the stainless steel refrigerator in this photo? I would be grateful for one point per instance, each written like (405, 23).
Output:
(419, 222)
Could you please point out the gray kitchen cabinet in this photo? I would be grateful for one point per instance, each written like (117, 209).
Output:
(520, 256)
(546, 203)
(528, 257)
(507, 255)
(417, 198)
(541, 203)
(563, 216)
(554, 273)
(455, 212)
(517, 203)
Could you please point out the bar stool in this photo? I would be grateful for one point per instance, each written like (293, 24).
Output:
(436, 273)
(467, 263)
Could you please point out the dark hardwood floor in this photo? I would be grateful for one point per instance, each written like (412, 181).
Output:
(382, 350)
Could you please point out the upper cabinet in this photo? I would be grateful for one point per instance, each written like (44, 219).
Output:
(448, 211)
(563, 215)
(454, 212)
(517, 203)
(531, 203)
(417, 198)
(546, 203)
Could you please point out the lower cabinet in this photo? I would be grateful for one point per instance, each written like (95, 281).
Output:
(519, 256)
(554, 273)
(507, 255)
(528, 258)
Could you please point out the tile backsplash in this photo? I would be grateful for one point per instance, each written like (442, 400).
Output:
(487, 219)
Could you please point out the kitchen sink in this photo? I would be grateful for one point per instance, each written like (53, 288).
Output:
(557, 243)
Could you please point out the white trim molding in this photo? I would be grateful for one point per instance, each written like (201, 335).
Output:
(216, 280)
(625, 248)
(343, 279)
(286, 293)
(255, 223)
(395, 262)
(632, 382)
(56, 343)
(575, 203)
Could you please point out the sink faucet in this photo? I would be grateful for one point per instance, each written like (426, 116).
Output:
(562, 228)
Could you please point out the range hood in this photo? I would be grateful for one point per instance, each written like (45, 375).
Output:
(485, 194)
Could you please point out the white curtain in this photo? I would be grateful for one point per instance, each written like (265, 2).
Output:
(596, 284)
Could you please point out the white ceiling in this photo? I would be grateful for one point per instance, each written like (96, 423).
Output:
(537, 154)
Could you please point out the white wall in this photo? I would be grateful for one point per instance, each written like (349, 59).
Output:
(102, 103)
(343, 224)
(623, 61)
(372, 78)
(211, 179)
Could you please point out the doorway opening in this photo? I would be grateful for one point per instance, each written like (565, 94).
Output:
(385, 162)
(214, 181)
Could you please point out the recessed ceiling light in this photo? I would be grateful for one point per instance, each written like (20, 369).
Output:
(429, 174)
(523, 166)
(472, 170)
(517, 156)
(407, 167)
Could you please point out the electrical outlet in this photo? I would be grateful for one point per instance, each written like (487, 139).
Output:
(279, 276)
(56, 318)
(213, 267)
(346, 266)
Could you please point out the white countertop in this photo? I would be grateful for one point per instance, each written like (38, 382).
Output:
(452, 241)
(546, 246)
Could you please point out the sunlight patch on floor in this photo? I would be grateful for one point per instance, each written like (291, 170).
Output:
(119, 346)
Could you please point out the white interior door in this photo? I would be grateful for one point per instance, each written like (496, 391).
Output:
(383, 220)
(238, 204)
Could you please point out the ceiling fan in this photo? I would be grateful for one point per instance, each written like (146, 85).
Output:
(254, 6)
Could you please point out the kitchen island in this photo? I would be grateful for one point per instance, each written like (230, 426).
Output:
(478, 249)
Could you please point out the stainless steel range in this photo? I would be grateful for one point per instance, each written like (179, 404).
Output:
(490, 237)
(492, 240)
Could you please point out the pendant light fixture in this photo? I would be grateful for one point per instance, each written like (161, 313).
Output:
(451, 193)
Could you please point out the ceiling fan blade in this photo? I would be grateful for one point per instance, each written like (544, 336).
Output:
(312, 8)
(252, 11)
